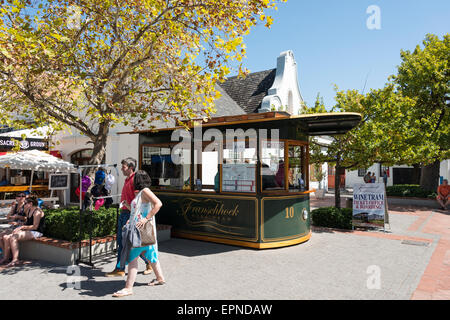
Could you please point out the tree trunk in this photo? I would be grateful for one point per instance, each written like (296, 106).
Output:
(416, 173)
(429, 179)
(99, 149)
(337, 187)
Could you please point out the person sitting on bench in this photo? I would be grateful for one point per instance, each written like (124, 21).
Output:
(32, 229)
(443, 192)
(16, 215)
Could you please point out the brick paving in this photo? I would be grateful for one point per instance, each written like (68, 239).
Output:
(413, 258)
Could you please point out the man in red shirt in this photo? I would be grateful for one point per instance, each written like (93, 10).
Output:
(443, 192)
(128, 195)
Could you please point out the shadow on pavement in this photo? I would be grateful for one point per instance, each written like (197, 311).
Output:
(193, 248)
(99, 289)
(26, 265)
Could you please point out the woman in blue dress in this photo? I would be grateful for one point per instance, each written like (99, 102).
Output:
(143, 208)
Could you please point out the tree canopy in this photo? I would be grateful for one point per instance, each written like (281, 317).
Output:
(91, 64)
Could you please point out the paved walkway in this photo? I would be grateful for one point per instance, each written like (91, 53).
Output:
(410, 261)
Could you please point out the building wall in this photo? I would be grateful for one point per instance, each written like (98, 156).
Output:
(351, 177)
(118, 147)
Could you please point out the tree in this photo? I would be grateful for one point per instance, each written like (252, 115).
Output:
(382, 136)
(91, 64)
(424, 76)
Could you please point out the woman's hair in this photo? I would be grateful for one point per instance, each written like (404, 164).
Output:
(141, 180)
(33, 200)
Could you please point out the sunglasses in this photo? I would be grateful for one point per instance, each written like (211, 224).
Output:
(20, 196)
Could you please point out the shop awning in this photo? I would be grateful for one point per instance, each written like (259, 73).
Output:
(314, 124)
(35, 160)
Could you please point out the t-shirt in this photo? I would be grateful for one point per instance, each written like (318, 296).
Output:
(128, 189)
(444, 190)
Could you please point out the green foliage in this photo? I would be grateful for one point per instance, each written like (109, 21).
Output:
(332, 217)
(72, 64)
(64, 224)
(409, 190)
(424, 76)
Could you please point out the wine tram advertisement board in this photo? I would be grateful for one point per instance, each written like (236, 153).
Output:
(369, 205)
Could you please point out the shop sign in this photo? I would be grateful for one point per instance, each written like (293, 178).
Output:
(369, 205)
(219, 216)
(8, 143)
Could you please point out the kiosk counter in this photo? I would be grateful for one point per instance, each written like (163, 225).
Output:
(238, 180)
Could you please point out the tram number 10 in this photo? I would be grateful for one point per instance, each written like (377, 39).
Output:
(289, 213)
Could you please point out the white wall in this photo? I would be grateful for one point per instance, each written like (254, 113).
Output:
(445, 169)
(351, 177)
(118, 147)
(284, 95)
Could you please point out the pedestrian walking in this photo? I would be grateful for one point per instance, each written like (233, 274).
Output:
(143, 209)
(385, 177)
(367, 177)
(128, 195)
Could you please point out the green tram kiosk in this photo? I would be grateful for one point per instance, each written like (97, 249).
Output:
(238, 180)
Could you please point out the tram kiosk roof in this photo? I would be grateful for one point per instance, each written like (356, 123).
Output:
(316, 124)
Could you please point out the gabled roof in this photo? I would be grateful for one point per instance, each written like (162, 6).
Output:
(249, 92)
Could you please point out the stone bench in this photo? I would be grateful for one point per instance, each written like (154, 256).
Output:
(66, 253)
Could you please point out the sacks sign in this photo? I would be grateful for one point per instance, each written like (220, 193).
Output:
(369, 205)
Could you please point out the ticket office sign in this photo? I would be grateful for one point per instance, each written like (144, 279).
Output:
(369, 205)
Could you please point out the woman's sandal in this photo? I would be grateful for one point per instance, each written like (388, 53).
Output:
(122, 293)
(13, 264)
(156, 282)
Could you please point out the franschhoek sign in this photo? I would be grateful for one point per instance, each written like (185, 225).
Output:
(369, 205)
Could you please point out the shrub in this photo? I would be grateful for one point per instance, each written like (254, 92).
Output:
(332, 217)
(408, 190)
(64, 224)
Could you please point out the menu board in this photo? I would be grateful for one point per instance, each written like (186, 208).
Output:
(239, 177)
(58, 182)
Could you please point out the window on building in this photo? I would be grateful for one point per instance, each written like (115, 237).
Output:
(165, 173)
(297, 169)
(206, 169)
(362, 172)
(272, 165)
(239, 167)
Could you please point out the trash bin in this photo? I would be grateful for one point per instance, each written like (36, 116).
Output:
(349, 203)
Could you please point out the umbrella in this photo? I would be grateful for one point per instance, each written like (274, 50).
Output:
(35, 160)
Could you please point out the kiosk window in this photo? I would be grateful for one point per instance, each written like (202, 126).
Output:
(166, 174)
(239, 167)
(297, 168)
(272, 165)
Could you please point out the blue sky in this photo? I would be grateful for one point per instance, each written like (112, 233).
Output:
(332, 44)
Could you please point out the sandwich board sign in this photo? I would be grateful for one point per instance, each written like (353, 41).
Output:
(369, 205)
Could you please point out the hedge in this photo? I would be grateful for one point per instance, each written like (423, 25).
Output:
(331, 217)
(409, 190)
(64, 224)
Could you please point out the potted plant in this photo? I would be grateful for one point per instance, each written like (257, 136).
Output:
(319, 175)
